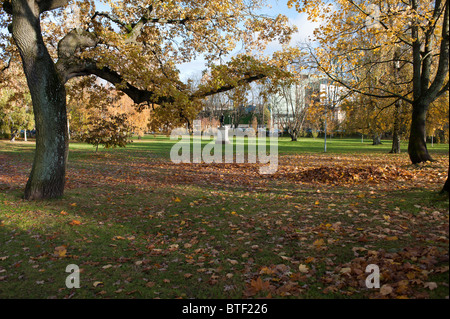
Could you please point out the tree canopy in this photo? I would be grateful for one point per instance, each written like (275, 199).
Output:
(360, 42)
(136, 46)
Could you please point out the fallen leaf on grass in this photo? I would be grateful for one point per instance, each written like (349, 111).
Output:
(310, 260)
(266, 271)
(430, 285)
(385, 290)
(303, 268)
(345, 270)
(232, 261)
(60, 251)
(318, 244)
(259, 284)
(391, 238)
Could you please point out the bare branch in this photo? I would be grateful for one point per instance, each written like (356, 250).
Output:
(227, 87)
(109, 17)
(6, 66)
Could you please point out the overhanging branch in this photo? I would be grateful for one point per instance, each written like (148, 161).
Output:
(48, 5)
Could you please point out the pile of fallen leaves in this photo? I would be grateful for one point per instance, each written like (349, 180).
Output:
(335, 174)
(403, 274)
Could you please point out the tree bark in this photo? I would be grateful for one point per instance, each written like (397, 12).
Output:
(446, 188)
(13, 135)
(417, 147)
(376, 139)
(47, 177)
(395, 143)
(293, 135)
(396, 136)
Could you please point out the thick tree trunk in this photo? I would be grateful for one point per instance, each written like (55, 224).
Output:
(396, 134)
(13, 135)
(293, 135)
(376, 139)
(396, 138)
(395, 144)
(48, 94)
(417, 147)
(446, 188)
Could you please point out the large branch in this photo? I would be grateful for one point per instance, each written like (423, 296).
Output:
(136, 94)
(147, 96)
(6, 66)
(69, 65)
(442, 71)
(202, 93)
(75, 40)
(134, 30)
(48, 5)
(7, 6)
(43, 5)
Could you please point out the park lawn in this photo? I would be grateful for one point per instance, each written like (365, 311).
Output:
(139, 226)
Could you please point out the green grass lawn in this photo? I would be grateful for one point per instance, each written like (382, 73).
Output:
(139, 226)
(160, 146)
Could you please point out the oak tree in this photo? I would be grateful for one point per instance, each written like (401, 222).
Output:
(136, 46)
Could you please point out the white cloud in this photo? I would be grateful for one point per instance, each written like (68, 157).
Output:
(191, 70)
(305, 29)
(304, 34)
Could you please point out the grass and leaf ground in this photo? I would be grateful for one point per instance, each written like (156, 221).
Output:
(140, 226)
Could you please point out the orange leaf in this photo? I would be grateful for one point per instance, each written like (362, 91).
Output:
(391, 238)
(259, 285)
(60, 251)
